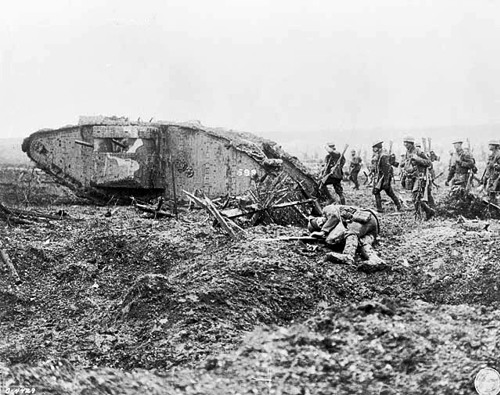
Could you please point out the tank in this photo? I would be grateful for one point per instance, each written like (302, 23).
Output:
(112, 156)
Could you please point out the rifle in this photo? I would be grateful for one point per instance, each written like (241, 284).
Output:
(334, 168)
(424, 144)
(323, 173)
(469, 182)
(425, 197)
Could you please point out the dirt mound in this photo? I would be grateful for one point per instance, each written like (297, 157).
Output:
(468, 205)
(133, 292)
(376, 347)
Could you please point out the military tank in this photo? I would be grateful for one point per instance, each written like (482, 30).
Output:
(112, 156)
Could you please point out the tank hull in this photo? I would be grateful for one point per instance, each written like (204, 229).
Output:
(149, 159)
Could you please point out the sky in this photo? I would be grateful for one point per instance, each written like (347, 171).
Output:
(252, 65)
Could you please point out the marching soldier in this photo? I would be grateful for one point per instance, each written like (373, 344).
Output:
(417, 177)
(462, 167)
(354, 169)
(333, 173)
(382, 176)
(491, 179)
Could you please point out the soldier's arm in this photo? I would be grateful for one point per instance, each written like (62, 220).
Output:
(451, 172)
(384, 166)
(467, 161)
(496, 164)
(421, 159)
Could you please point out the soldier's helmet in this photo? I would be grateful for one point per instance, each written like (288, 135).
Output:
(409, 139)
(457, 141)
(353, 152)
(330, 144)
(494, 142)
(377, 143)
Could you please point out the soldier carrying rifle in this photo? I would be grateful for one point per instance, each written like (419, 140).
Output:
(332, 173)
(382, 175)
(491, 177)
(462, 167)
(354, 168)
(417, 177)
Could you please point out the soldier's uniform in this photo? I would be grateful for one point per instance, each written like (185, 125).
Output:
(354, 169)
(334, 177)
(416, 178)
(461, 166)
(492, 175)
(356, 226)
(382, 176)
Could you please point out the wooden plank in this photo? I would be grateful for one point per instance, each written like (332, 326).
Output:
(8, 263)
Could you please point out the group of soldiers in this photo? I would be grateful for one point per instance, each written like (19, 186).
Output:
(416, 173)
(357, 228)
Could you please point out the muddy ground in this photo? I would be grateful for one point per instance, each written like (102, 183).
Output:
(127, 304)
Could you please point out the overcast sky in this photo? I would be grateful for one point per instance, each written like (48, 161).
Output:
(252, 65)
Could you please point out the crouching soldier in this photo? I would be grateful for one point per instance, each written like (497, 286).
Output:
(356, 226)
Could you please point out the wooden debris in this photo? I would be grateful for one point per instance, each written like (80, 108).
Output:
(226, 224)
(23, 217)
(235, 212)
(291, 238)
(12, 269)
(157, 212)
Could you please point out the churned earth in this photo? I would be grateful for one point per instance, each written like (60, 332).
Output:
(127, 304)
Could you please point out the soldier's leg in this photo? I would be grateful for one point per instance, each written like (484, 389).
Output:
(337, 185)
(373, 261)
(326, 191)
(432, 202)
(493, 190)
(392, 195)
(354, 176)
(347, 256)
(378, 200)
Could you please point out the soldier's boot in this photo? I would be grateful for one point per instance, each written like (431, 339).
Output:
(394, 197)
(378, 203)
(429, 212)
(347, 256)
(397, 202)
(356, 183)
(373, 262)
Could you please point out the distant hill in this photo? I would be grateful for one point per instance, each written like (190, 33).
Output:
(11, 152)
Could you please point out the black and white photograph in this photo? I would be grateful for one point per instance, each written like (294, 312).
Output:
(250, 197)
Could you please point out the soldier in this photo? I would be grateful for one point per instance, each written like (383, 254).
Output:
(382, 176)
(354, 168)
(333, 173)
(417, 177)
(491, 178)
(357, 226)
(462, 167)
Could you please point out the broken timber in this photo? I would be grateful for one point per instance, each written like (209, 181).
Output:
(8, 263)
(292, 238)
(235, 213)
(226, 224)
